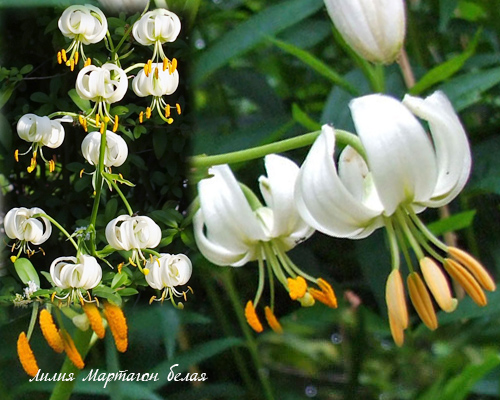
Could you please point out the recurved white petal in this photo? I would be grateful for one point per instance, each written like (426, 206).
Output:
(450, 142)
(400, 155)
(323, 200)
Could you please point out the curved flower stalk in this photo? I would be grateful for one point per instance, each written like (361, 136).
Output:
(233, 228)
(103, 85)
(165, 273)
(133, 233)
(40, 131)
(374, 29)
(20, 224)
(157, 84)
(405, 171)
(85, 24)
(155, 28)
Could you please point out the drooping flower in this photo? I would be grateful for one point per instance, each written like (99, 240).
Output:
(403, 172)
(133, 233)
(85, 24)
(232, 228)
(21, 224)
(375, 29)
(75, 276)
(166, 272)
(40, 131)
(103, 85)
(158, 83)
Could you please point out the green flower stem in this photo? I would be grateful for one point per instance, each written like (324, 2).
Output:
(251, 344)
(132, 67)
(54, 222)
(342, 138)
(122, 196)
(63, 113)
(63, 389)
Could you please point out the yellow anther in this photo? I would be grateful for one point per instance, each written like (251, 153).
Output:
(97, 119)
(101, 129)
(120, 175)
(167, 111)
(148, 112)
(63, 55)
(421, 300)
(95, 319)
(131, 262)
(165, 63)
(52, 166)
(88, 61)
(156, 72)
(438, 284)
(76, 57)
(118, 325)
(297, 287)
(146, 70)
(145, 271)
(59, 57)
(71, 350)
(115, 125)
(85, 125)
(50, 331)
(178, 108)
(72, 65)
(81, 172)
(272, 320)
(153, 298)
(13, 259)
(173, 66)
(474, 267)
(52, 296)
(119, 268)
(80, 119)
(466, 280)
(106, 119)
(26, 356)
(396, 305)
(170, 120)
(252, 318)
(16, 155)
(158, 261)
(141, 117)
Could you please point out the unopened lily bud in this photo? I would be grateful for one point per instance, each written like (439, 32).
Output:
(374, 29)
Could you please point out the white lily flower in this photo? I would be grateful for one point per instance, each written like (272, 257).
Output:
(41, 131)
(85, 24)
(158, 82)
(375, 29)
(82, 273)
(405, 171)
(116, 149)
(157, 27)
(233, 228)
(20, 224)
(166, 272)
(102, 84)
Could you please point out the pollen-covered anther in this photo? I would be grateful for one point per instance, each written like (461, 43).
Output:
(118, 325)
(81, 172)
(272, 320)
(396, 306)
(156, 73)
(178, 108)
(52, 166)
(72, 65)
(115, 125)
(16, 155)
(153, 298)
(97, 120)
(50, 331)
(26, 356)
(148, 112)
(438, 284)
(63, 55)
(173, 66)
(76, 57)
(252, 318)
(466, 280)
(165, 64)
(119, 267)
(326, 295)
(474, 267)
(297, 287)
(421, 300)
(95, 319)
(71, 350)
(141, 117)
(145, 271)
(102, 128)
(59, 57)
(167, 111)
(88, 61)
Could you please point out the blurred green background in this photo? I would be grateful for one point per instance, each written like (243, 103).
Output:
(253, 72)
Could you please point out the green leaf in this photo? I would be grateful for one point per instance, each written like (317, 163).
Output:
(118, 280)
(445, 70)
(82, 104)
(454, 223)
(247, 35)
(26, 271)
(128, 292)
(26, 69)
(5, 95)
(316, 64)
(110, 210)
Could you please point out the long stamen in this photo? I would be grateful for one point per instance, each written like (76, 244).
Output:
(474, 267)
(252, 318)
(71, 350)
(95, 319)
(438, 284)
(421, 300)
(466, 280)
(50, 331)
(118, 325)
(272, 320)
(26, 356)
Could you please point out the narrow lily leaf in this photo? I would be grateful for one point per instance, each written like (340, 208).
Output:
(236, 42)
(453, 223)
(445, 70)
(316, 64)
(303, 119)
(26, 271)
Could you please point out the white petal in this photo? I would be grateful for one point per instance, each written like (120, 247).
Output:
(322, 199)
(399, 153)
(450, 143)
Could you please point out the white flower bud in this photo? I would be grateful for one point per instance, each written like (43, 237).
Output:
(82, 273)
(159, 25)
(375, 29)
(127, 233)
(150, 85)
(84, 23)
(168, 271)
(20, 225)
(107, 83)
(116, 149)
